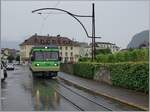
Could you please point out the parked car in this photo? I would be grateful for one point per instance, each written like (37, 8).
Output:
(3, 73)
(10, 66)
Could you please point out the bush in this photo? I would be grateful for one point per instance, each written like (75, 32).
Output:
(102, 58)
(131, 75)
(125, 56)
(18, 58)
(103, 51)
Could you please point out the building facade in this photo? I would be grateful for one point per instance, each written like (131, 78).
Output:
(107, 45)
(85, 50)
(68, 49)
(5, 52)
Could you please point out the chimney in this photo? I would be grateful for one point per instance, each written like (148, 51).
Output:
(58, 35)
(35, 34)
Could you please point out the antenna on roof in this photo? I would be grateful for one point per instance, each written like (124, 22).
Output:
(72, 39)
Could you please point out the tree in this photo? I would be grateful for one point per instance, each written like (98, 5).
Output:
(18, 58)
(111, 58)
(10, 58)
(103, 51)
(102, 58)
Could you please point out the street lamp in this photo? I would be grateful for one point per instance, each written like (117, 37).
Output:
(75, 17)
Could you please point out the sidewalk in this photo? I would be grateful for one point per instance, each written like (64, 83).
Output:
(136, 99)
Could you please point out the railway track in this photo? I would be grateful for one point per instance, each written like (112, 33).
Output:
(76, 105)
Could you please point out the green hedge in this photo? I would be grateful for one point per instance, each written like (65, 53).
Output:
(131, 75)
(84, 59)
(68, 68)
(83, 70)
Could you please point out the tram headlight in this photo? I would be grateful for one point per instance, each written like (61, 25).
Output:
(55, 64)
(37, 64)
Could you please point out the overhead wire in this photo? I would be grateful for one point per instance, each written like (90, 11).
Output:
(45, 17)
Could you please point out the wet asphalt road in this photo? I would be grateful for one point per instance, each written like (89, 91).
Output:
(22, 92)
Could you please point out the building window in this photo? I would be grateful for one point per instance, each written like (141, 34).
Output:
(60, 53)
(66, 48)
(71, 59)
(42, 41)
(53, 42)
(48, 41)
(71, 48)
(66, 59)
(66, 54)
(107, 46)
(60, 48)
(71, 53)
(110, 46)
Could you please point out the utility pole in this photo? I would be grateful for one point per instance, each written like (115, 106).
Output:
(93, 32)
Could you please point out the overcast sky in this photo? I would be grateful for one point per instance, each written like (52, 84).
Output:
(116, 21)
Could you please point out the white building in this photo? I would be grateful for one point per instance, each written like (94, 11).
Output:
(107, 45)
(68, 49)
(85, 50)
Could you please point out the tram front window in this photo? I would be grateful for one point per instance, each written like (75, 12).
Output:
(46, 55)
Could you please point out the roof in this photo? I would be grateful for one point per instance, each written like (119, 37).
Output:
(8, 49)
(49, 40)
(83, 44)
(105, 43)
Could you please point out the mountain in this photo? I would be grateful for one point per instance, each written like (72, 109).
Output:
(10, 44)
(139, 39)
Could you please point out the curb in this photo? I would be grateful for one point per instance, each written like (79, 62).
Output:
(108, 96)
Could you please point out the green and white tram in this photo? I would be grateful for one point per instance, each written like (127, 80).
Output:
(45, 60)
